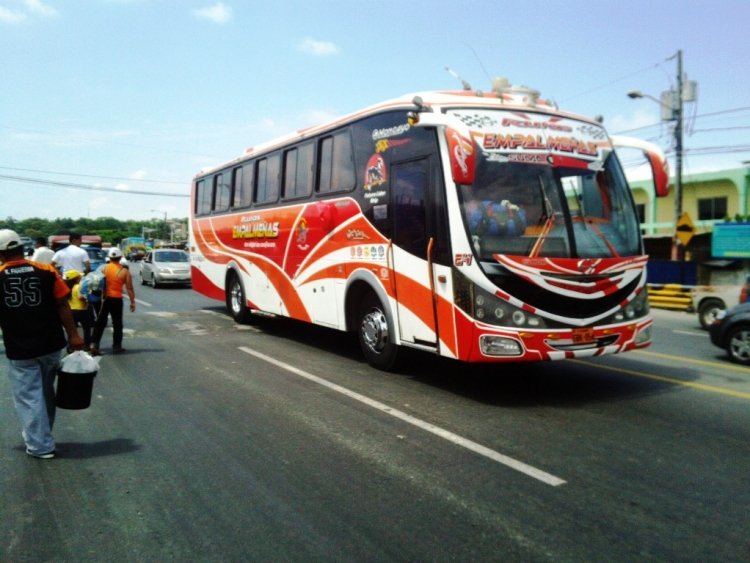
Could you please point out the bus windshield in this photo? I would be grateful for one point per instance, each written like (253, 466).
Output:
(540, 210)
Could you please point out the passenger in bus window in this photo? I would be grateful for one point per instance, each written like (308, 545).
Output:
(488, 217)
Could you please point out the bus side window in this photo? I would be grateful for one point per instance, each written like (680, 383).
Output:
(243, 186)
(267, 179)
(200, 187)
(336, 163)
(221, 192)
(298, 171)
(236, 186)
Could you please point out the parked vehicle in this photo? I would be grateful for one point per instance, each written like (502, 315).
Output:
(709, 300)
(133, 248)
(166, 265)
(97, 256)
(56, 242)
(731, 331)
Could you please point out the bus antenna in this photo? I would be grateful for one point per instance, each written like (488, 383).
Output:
(455, 75)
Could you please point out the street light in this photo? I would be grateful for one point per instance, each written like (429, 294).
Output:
(675, 114)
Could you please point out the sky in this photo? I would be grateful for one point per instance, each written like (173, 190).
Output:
(108, 108)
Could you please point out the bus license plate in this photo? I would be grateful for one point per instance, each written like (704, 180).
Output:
(581, 335)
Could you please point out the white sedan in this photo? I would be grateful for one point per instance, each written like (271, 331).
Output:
(166, 266)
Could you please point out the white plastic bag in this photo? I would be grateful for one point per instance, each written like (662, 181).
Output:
(79, 362)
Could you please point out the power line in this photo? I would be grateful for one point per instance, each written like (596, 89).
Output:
(91, 175)
(629, 162)
(615, 81)
(695, 117)
(721, 129)
(86, 187)
(107, 142)
(719, 150)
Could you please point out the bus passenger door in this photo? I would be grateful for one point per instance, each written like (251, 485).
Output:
(410, 182)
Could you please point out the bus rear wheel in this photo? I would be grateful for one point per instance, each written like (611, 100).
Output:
(235, 300)
(375, 334)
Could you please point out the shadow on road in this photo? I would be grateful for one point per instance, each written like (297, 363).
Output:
(85, 450)
(561, 383)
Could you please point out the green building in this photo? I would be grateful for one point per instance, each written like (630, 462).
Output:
(709, 198)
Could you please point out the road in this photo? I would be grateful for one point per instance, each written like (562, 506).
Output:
(212, 441)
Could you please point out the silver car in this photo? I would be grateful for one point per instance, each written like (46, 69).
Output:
(166, 265)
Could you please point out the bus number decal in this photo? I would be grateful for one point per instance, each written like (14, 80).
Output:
(463, 259)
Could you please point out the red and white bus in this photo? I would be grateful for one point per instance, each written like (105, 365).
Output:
(481, 227)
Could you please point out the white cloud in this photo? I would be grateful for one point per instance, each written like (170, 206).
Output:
(218, 13)
(122, 187)
(139, 175)
(31, 8)
(11, 16)
(318, 48)
(39, 8)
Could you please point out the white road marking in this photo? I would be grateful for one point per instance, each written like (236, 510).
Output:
(692, 333)
(436, 430)
(215, 313)
(193, 328)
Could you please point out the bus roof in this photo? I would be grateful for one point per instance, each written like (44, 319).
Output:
(519, 98)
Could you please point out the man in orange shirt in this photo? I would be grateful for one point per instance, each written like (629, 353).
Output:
(117, 276)
(33, 312)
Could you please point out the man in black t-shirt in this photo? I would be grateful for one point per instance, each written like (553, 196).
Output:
(34, 311)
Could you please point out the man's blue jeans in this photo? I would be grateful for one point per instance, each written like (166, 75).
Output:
(32, 382)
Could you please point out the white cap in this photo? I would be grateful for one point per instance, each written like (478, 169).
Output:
(115, 253)
(124, 262)
(9, 240)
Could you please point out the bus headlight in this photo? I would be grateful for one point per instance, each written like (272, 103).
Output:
(643, 335)
(637, 308)
(492, 310)
(499, 346)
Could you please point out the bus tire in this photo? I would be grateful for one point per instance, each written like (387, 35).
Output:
(375, 334)
(235, 299)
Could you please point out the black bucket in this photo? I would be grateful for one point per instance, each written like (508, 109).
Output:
(74, 390)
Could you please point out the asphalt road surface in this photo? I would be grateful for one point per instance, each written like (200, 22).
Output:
(210, 441)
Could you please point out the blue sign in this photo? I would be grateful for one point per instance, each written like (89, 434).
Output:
(731, 240)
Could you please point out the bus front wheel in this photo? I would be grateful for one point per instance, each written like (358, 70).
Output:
(235, 298)
(375, 334)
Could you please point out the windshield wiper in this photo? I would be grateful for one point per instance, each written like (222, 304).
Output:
(548, 224)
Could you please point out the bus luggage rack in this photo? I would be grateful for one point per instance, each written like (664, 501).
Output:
(670, 296)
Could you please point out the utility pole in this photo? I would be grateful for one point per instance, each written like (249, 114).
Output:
(671, 103)
(676, 255)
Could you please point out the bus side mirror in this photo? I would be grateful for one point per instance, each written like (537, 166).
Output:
(461, 146)
(463, 155)
(656, 160)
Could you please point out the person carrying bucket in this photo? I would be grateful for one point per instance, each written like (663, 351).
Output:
(34, 310)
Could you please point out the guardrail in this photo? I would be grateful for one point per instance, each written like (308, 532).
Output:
(670, 296)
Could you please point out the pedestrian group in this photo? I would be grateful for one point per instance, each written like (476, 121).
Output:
(42, 300)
